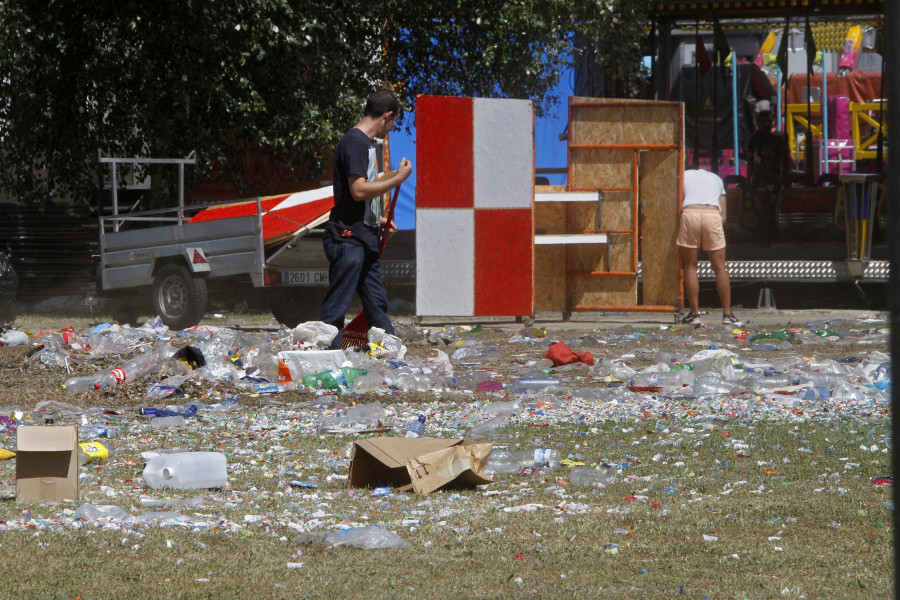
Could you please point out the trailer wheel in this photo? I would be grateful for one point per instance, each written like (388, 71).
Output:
(292, 306)
(179, 298)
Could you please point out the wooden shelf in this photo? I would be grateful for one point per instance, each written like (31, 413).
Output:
(571, 238)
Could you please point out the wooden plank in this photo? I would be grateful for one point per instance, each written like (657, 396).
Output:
(615, 122)
(601, 169)
(571, 238)
(605, 291)
(567, 197)
(550, 189)
(550, 278)
(549, 218)
(660, 173)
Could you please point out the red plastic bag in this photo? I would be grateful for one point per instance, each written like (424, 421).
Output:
(561, 354)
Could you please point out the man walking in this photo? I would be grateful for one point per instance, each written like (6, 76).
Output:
(354, 228)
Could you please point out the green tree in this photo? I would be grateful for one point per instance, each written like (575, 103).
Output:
(163, 78)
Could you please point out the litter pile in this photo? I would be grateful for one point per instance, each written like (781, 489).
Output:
(215, 409)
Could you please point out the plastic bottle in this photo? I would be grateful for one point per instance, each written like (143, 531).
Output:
(133, 368)
(416, 428)
(663, 379)
(775, 335)
(881, 378)
(162, 412)
(162, 422)
(368, 383)
(186, 471)
(95, 453)
(96, 430)
(530, 384)
(599, 477)
(77, 385)
(366, 413)
(333, 379)
(506, 461)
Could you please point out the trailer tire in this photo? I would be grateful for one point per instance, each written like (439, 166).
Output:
(292, 306)
(179, 298)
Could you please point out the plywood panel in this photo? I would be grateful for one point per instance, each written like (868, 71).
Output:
(621, 125)
(617, 213)
(614, 291)
(549, 278)
(633, 125)
(550, 217)
(601, 169)
(660, 175)
(623, 122)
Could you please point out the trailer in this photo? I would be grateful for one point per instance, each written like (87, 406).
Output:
(175, 256)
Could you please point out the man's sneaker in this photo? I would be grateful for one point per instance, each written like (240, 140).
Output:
(691, 319)
(731, 320)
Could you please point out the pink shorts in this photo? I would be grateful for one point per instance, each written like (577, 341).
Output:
(701, 227)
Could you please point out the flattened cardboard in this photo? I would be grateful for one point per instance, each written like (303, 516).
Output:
(458, 466)
(47, 463)
(382, 462)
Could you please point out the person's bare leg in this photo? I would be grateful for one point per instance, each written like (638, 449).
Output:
(723, 284)
(691, 284)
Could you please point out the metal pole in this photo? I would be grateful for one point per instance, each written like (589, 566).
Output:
(180, 193)
(734, 112)
(892, 23)
(115, 195)
(825, 109)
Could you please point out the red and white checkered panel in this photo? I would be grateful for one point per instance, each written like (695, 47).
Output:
(474, 216)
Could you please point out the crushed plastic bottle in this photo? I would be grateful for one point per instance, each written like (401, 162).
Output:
(366, 413)
(163, 412)
(163, 422)
(664, 379)
(92, 512)
(370, 537)
(369, 382)
(488, 429)
(97, 430)
(600, 477)
(416, 429)
(507, 461)
(472, 354)
(524, 385)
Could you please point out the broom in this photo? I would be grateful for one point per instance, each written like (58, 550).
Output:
(356, 333)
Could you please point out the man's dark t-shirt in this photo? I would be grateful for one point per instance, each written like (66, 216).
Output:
(354, 155)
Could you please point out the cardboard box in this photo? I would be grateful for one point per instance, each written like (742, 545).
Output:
(422, 464)
(47, 463)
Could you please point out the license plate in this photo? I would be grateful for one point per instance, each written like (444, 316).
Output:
(305, 277)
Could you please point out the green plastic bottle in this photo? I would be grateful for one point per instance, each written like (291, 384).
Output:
(333, 379)
(776, 335)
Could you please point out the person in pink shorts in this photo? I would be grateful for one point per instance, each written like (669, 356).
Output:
(702, 214)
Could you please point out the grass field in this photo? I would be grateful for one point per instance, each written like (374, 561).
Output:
(713, 499)
(724, 510)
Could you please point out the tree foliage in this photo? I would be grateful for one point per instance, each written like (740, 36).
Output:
(160, 79)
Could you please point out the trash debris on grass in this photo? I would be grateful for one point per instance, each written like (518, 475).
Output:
(233, 392)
